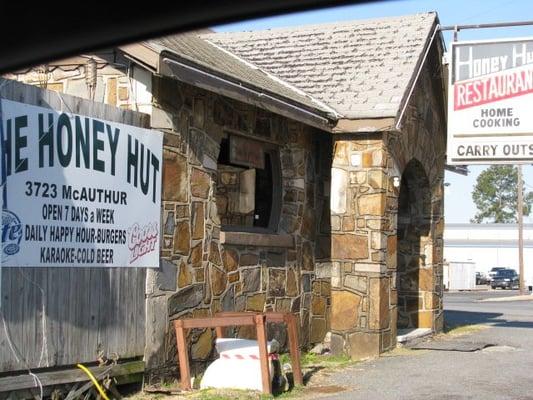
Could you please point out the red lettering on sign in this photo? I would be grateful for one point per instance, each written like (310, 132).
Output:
(493, 88)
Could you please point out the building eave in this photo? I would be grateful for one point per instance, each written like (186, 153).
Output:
(363, 125)
(188, 72)
(158, 60)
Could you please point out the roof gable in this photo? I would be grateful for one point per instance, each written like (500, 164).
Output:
(361, 69)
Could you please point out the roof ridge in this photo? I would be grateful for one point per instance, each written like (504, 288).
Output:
(320, 25)
(275, 78)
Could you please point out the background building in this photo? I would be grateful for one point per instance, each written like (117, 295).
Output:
(489, 245)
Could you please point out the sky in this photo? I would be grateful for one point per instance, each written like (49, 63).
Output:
(459, 207)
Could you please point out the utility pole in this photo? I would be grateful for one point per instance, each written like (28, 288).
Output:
(521, 229)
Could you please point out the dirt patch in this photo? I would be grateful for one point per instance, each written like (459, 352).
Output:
(325, 389)
(459, 330)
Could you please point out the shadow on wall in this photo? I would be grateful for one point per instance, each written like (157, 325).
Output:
(414, 218)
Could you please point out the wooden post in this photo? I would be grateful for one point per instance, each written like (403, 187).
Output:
(294, 348)
(520, 207)
(183, 355)
(220, 332)
(260, 327)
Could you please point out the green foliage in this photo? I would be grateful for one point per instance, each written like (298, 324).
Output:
(495, 195)
(325, 360)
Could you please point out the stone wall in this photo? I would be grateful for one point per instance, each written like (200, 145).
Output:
(204, 272)
(365, 249)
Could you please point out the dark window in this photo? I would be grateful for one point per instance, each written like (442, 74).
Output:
(263, 187)
(248, 185)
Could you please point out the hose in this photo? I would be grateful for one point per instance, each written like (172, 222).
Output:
(93, 379)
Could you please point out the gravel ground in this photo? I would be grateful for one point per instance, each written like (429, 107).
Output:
(503, 371)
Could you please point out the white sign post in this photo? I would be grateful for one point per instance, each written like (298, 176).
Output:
(79, 191)
(490, 107)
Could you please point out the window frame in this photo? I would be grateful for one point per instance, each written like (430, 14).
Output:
(273, 150)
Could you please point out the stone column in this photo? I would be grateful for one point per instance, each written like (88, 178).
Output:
(360, 304)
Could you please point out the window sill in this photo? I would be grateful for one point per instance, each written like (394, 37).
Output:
(257, 239)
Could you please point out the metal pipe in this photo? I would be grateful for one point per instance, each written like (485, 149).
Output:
(485, 26)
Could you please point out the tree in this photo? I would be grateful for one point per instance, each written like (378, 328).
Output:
(496, 195)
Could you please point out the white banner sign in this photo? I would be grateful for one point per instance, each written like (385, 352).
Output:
(490, 113)
(78, 191)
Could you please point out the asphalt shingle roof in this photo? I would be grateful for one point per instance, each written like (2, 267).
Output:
(199, 52)
(361, 69)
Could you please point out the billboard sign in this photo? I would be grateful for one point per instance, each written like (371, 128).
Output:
(78, 191)
(490, 113)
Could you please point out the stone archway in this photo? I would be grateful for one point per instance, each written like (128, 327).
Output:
(414, 277)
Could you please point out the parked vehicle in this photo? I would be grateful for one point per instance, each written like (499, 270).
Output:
(505, 279)
(493, 272)
(481, 278)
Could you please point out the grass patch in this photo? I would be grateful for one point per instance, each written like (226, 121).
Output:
(308, 360)
(462, 329)
(325, 360)
(229, 394)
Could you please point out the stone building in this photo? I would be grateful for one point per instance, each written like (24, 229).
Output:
(303, 172)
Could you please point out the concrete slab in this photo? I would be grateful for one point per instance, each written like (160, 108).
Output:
(452, 345)
(408, 335)
(526, 297)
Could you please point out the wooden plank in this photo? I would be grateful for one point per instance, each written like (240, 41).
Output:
(94, 309)
(270, 316)
(41, 317)
(114, 312)
(140, 309)
(294, 348)
(104, 317)
(214, 322)
(137, 310)
(6, 356)
(61, 290)
(123, 300)
(19, 382)
(15, 321)
(26, 275)
(260, 328)
(128, 305)
(83, 308)
(52, 305)
(117, 343)
(71, 309)
(183, 355)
